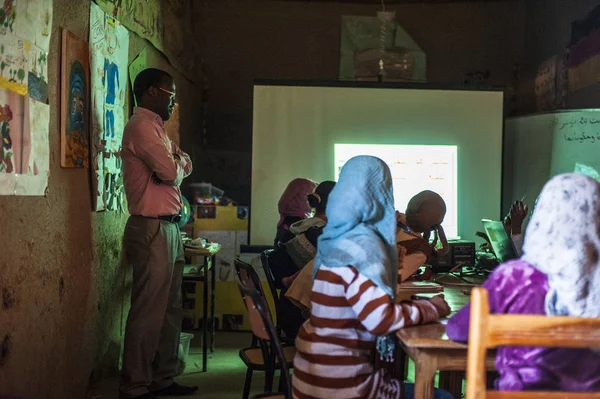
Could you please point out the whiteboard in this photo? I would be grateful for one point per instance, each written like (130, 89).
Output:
(540, 146)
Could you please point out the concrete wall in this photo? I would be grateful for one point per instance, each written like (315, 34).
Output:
(548, 32)
(64, 292)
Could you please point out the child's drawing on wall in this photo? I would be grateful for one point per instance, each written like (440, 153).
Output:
(7, 17)
(12, 137)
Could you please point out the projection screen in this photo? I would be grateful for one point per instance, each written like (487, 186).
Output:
(449, 141)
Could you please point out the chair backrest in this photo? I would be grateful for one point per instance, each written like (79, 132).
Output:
(247, 275)
(262, 327)
(488, 331)
(264, 259)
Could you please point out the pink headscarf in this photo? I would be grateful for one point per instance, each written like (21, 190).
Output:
(293, 201)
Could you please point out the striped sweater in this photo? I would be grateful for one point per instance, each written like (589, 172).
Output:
(334, 357)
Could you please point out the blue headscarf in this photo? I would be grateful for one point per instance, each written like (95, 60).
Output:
(361, 228)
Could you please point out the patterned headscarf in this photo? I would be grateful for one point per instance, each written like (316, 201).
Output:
(293, 201)
(361, 228)
(563, 241)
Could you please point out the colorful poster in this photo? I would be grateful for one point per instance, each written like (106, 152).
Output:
(39, 119)
(7, 17)
(34, 22)
(14, 63)
(24, 154)
(109, 47)
(142, 17)
(12, 118)
(25, 28)
(75, 94)
(37, 82)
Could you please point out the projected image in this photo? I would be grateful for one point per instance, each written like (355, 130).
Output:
(414, 168)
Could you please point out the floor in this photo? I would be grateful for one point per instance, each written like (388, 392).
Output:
(225, 376)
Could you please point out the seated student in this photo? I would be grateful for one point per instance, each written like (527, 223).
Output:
(287, 260)
(353, 292)
(293, 207)
(425, 212)
(513, 223)
(558, 274)
(303, 247)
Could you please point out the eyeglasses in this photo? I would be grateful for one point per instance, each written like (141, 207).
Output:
(172, 93)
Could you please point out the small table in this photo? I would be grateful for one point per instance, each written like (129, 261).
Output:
(430, 349)
(208, 254)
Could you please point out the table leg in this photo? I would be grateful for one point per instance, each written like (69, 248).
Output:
(205, 314)
(425, 369)
(451, 381)
(400, 363)
(213, 266)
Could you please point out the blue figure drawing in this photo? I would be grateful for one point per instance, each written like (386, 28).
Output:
(110, 80)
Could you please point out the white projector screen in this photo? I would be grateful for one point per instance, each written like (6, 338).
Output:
(448, 141)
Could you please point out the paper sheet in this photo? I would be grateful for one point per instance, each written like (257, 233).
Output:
(39, 117)
(25, 28)
(109, 46)
(34, 22)
(8, 14)
(14, 64)
(141, 17)
(38, 74)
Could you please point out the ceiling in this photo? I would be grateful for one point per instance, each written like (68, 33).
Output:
(388, 2)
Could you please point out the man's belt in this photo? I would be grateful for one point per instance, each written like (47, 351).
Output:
(170, 218)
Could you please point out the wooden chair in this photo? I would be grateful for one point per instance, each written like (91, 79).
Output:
(254, 357)
(279, 357)
(491, 331)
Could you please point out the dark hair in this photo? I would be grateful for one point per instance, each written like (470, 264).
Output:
(318, 199)
(148, 78)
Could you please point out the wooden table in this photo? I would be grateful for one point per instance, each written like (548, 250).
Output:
(208, 254)
(431, 350)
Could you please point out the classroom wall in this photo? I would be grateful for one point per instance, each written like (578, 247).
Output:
(247, 39)
(64, 290)
(547, 33)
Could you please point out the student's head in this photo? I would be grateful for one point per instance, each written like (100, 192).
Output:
(425, 211)
(154, 90)
(318, 199)
(293, 200)
(563, 241)
(361, 223)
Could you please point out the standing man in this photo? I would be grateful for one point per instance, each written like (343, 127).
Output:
(153, 168)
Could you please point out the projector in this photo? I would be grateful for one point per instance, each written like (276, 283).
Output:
(461, 253)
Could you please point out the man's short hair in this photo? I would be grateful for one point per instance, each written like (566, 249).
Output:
(148, 78)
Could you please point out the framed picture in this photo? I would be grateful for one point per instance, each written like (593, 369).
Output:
(74, 102)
